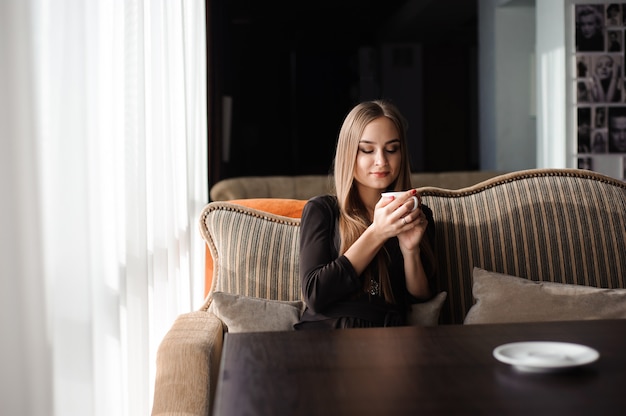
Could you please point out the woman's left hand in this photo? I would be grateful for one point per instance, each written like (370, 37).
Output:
(412, 230)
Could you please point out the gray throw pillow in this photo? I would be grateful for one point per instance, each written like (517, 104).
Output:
(249, 314)
(504, 298)
(427, 313)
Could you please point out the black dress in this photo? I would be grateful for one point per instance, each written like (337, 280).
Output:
(594, 43)
(333, 292)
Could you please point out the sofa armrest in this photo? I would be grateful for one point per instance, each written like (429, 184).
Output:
(188, 361)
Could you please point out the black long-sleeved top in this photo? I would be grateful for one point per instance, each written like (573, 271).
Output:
(332, 290)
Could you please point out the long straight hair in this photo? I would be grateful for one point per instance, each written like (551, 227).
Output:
(353, 218)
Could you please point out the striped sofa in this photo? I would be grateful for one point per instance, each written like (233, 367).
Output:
(552, 225)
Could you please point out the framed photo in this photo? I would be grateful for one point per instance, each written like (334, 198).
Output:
(599, 70)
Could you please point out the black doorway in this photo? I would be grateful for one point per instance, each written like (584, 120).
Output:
(283, 76)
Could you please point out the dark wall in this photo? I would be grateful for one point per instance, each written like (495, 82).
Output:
(293, 79)
(450, 115)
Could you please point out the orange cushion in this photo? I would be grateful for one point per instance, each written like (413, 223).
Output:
(279, 206)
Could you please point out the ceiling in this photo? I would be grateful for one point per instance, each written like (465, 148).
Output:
(349, 21)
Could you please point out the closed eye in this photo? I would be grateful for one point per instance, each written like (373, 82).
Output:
(390, 148)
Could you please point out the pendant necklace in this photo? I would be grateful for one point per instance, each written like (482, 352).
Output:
(374, 289)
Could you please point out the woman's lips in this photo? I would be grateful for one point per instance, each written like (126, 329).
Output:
(380, 174)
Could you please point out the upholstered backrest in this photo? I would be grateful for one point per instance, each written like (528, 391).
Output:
(295, 187)
(308, 186)
(254, 253)
(564, 226)
(291, 208)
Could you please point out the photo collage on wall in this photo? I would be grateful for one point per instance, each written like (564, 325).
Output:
(600, 30)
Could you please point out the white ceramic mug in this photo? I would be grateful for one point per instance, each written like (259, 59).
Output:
(398, 194)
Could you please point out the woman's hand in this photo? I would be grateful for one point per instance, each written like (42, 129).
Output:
(413, 230)
(596, 91)
(396, 217)
(613, 85)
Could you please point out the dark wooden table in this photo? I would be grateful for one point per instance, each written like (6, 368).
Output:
(444, 370)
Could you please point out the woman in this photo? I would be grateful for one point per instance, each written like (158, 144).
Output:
(589, 28)
(364, 258)
(605, 87)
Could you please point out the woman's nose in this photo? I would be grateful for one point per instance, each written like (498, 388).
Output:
(381, 159)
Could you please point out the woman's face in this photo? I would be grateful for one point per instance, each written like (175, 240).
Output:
(588, 26)
(604, 67)
(379, 156)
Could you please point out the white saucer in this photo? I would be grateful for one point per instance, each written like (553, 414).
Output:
(544, 356)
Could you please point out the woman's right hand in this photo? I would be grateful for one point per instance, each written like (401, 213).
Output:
(390, 212)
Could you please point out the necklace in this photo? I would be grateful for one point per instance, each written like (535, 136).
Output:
(374, 289)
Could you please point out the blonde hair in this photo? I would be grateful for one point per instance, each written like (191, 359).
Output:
(353, 217)
(589, 10)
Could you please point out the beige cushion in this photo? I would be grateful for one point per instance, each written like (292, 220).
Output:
(427, 313)
(503, 298)
(249, 314)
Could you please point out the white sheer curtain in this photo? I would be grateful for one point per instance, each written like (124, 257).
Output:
(106, 173)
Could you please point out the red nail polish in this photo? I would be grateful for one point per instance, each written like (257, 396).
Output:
(413, 191)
